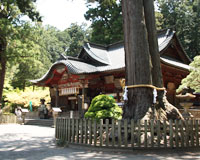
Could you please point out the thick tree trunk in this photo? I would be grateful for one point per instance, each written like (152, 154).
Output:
(153, 48)
(153, 42)
(2, 77)
(163, 106)
(137, 59)
(2, 65)
(143, 63)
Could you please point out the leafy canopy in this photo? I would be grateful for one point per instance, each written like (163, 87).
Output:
(106, 20)
(184, 15)
(192, 81)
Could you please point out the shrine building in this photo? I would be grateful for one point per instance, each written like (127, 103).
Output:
(74, 81)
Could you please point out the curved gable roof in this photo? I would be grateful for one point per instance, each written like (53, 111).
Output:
(110, 58)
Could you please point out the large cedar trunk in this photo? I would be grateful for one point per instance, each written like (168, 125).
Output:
(137, 59)
(163, 109)
(143, 63)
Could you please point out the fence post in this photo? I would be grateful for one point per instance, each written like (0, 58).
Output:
(77, 130)
(119, 133)
(113, 132)
(171, 132)
(66, 129)
(192, 132)
(187, 133)
(81, 123)
(126, 133)
(86, 131)
(107, 127)
(197, 132)
(182, 133)
(132, 132)
(56, 129)
(165, 133)
(101, 132)
(73, 129)
(95, 132)
(90, 131)
(152, 132)
(176, 133)
(139, 133)
(145, 134)
(62, 129)
(69, 130)
(158, 132)
(58, 119)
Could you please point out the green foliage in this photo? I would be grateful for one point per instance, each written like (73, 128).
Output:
(77, 35)
(184, 16)
(10, 31)
(103, 107)
(192, 81)
(29, 54)
(17, 97)
(106, 20)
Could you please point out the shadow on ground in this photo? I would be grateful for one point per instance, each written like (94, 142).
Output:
(32, 145)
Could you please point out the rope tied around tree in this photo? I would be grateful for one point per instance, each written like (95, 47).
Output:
(125, 96)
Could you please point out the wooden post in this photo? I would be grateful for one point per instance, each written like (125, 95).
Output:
(66, 128)
(192, 132)
(145, 134)
(197, 132)
(119, 133)
(73, 129)
(86, 131)
(69, 130)
(176, 133)
(95, 132)
(81, 123)
(107, 127)
(187, 133)
(113, 132)
(90, 131)
(152, 132)
(139, 133)
(101, 132)
(125, 133)
(158, 133)
(77, 130)
(171, 132)
(56, 127)
(182, 133)
(132, 132)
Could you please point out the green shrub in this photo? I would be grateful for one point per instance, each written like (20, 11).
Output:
(103, 107)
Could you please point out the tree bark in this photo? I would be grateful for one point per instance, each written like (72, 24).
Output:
(153, 42)
(153, 48)
(2, 65)
(137, 59)
(163, 106)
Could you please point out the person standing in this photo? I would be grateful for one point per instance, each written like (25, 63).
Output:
(43, 112)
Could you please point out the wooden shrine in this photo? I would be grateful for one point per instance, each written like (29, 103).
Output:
(74, 81)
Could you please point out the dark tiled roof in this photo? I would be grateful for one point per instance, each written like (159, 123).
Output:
(110, 57)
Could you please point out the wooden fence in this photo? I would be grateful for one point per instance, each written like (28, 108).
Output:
(8, 119)
(121, 134)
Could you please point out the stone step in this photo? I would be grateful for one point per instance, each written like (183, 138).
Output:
(39, 122)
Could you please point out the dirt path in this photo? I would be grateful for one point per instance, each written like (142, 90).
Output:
(19, 142)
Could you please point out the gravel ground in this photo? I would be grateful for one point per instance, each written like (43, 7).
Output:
(23, 142)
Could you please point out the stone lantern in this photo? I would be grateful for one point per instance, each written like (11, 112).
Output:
(186, 103)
